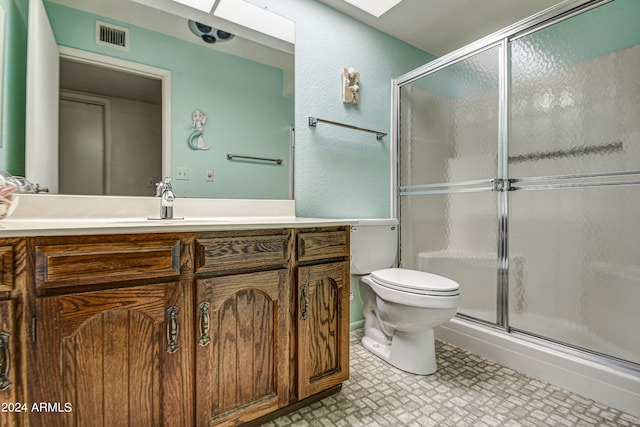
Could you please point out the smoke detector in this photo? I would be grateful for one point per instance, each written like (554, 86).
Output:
(209, 34)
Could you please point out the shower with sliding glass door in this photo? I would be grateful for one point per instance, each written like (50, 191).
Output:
(519, 177)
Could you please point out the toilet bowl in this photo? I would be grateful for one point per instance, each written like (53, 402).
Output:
(400, 306)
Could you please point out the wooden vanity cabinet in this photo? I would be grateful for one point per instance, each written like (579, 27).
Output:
(273, 323)
(107, 346)
(322, 289)
(8, 347)
(242, 333)
(172, 329)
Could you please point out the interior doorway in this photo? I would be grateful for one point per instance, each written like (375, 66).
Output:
(110, 131)
(82, 144)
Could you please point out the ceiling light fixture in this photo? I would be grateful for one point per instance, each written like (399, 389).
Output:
(209, 34)
(376, 8)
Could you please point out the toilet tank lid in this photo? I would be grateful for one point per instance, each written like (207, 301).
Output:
(377, 221)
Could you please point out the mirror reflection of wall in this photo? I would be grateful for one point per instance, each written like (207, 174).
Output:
(110, 133)
(248, 102)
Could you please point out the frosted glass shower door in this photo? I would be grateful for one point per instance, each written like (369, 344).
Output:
(449, 127)
(574, 161)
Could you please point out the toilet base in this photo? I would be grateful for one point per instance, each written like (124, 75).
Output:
(412, 352)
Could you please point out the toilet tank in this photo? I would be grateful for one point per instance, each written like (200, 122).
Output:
(374, 245)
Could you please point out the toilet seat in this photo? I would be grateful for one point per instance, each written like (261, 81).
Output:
(415, 282)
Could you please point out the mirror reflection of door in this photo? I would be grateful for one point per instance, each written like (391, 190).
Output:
(110, 131)
(82, 145)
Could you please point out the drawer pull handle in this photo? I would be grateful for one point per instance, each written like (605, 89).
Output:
(173, 328)
(304, 303)
(5, 361)
(204, 323)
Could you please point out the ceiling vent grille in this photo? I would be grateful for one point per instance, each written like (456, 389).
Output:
(112, 35)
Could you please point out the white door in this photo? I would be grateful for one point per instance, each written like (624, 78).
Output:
(41, 146)
(82, 148)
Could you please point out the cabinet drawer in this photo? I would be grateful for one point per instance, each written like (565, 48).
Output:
(323, 245)
(67, 265)
(6, 268)
(241, 252)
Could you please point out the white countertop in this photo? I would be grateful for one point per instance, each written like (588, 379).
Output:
(55, 215)
(74, 227)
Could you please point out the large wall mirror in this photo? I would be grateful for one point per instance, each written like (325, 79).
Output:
(110, 128)
(2, 29)
(126, 116)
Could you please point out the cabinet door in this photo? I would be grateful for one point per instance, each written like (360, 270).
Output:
(11, 410)
(323, 327)
(242, 354)
(109, 358)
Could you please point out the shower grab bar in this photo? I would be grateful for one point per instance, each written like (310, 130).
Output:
(313, 122)
(262, 159)
(610, 147)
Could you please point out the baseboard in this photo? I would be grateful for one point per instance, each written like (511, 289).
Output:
(615, 387)
(357, 324)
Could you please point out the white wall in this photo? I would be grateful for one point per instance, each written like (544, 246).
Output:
(136, 141)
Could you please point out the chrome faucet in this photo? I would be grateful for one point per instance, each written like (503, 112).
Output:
(165, 192)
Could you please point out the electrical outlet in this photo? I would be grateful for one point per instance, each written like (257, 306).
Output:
(209, 175)
(182, 173)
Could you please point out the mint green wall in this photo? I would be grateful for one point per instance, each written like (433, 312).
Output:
(243, 100)
(341, 173)
(14, 86)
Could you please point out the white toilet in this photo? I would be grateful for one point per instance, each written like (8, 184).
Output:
(401, 307)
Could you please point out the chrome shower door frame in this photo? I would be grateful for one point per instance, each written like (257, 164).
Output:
(501, 184)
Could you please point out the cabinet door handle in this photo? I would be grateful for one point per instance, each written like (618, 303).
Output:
(304, 302)
(173, 328)
(5, 361)
(204, 323)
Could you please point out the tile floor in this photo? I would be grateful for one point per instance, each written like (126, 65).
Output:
(467, 390)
